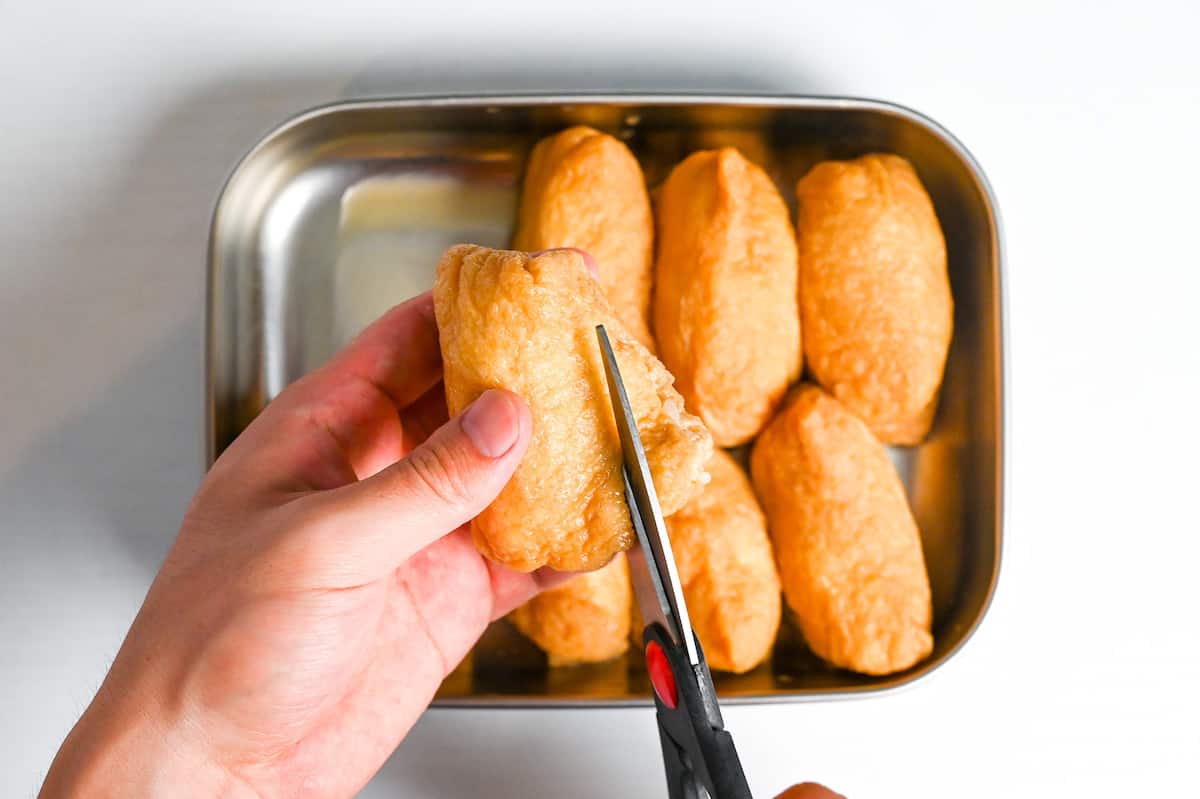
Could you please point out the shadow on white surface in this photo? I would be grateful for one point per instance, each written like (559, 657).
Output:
(466, 754)
(106, 332)
(126, 464)
(562, 70)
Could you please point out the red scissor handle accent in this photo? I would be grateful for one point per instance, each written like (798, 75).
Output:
(660, 675)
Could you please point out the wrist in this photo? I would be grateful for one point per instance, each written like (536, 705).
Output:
(126, 749)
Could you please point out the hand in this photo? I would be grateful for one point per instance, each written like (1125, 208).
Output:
(321, 587)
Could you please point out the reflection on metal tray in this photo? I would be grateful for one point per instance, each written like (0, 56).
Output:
(345, 210)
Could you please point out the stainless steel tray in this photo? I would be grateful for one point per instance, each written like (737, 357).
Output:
(345, 209)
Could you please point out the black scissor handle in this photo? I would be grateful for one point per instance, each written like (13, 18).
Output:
(698, 753)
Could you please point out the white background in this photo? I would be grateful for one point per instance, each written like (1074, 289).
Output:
(119, 123)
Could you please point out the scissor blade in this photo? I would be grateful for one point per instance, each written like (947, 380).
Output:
(648, 587)
(652, 563)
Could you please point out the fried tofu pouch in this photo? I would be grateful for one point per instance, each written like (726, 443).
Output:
(727, 569)
(875, 298)
(527, 324)
(849, 551)
(725, 312)
(585, 189)
(583, 621)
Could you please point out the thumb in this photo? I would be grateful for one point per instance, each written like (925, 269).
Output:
(378, 523)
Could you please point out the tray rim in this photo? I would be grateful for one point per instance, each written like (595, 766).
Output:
(893, 683)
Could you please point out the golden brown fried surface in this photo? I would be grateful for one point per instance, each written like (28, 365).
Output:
(874, 294)
(509, 320)
(727, 569)
(583, 621)
(725, 311)
(584, 189)
(848, 549)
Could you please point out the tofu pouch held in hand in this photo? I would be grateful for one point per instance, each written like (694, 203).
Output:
(527, 324)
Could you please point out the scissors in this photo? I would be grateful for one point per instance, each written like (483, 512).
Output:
(698, 753)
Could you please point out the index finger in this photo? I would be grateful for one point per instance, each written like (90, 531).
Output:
(398, 354)
(342, 422)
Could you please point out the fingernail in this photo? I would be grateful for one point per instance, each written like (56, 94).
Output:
(492, 422)
(588, 260)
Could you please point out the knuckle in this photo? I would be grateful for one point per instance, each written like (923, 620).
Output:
(438, 471)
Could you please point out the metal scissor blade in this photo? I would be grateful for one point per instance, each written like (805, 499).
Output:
(648, 587)
(652, 563)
